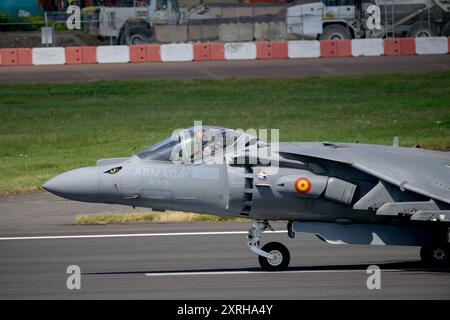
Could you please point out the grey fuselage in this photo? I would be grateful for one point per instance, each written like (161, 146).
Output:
(337, 191)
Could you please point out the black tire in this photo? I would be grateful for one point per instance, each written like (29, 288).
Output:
(335, 32)
(422, 29)
(283, 256)
(436, 254)
(136, 34)
(446, 30)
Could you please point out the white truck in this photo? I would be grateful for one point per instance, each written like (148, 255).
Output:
(135, 25)
(347, 19)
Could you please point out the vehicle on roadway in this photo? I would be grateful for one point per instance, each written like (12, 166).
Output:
(347, 19)
(345, 193)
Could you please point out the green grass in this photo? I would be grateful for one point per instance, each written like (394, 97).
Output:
(150, 217)
(49, 128)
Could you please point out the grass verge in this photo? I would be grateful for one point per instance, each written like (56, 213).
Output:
(149, 217)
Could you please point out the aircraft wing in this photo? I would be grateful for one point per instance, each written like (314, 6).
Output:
(422, 171)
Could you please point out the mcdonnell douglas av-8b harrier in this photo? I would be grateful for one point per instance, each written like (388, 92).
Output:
(345, 193)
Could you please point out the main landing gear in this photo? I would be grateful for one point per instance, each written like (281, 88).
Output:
(273, 256)
(437, 254)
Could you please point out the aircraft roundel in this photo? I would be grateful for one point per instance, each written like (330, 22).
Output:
(303, 185)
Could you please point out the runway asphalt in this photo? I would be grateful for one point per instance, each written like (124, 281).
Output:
(180, 261)
(190, 260)
(225, 69)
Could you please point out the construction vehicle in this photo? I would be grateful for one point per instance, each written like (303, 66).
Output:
(347, 19)
(135, 25)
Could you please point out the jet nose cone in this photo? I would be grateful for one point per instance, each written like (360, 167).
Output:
(79, 184)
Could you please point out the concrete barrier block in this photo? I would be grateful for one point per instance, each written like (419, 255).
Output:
(240, 51)
(177, 52)
(203, 32)
(367, 47)
(262, 31)
(113, 54)
(278, 31)
(304, 49)
(432, 45)
(234, 32)
(48, 56)
(137, 54)
(169, 33)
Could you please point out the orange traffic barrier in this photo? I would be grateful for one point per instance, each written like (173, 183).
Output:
(152, 53)
(89, 55)
(81, 55)
(137, 54)
(328, 48)
(9, 57)
(335, 48)
(24, 57)
(74, 55)
(216, 51)
(202, 51)
(399, 47)
(392, 47)
(408, 46)
(208, 51)
(280, 49)
(264, 50)
(271, 50)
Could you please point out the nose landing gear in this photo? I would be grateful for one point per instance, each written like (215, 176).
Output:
(273, 256)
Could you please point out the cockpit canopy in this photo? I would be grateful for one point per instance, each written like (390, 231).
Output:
(192, 143)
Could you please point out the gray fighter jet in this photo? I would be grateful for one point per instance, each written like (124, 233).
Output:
(345, 193)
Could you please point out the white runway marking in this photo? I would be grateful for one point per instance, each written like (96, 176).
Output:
(130, 235)
(215, 273)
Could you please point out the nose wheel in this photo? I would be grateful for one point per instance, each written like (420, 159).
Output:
(273, 256)
(280, 257)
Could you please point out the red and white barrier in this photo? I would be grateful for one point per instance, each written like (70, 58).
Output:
(113, 54)
(177, 52)
(432, 45)
(272, 50)
(240, 51)
(304, 49)
(225, 51)
(335, 48)
(48, 56)
(367, 47)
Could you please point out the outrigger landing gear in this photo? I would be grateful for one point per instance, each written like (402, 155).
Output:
(273, 256)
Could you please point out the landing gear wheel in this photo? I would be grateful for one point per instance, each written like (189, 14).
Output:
(280, 260)
(436, 254)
